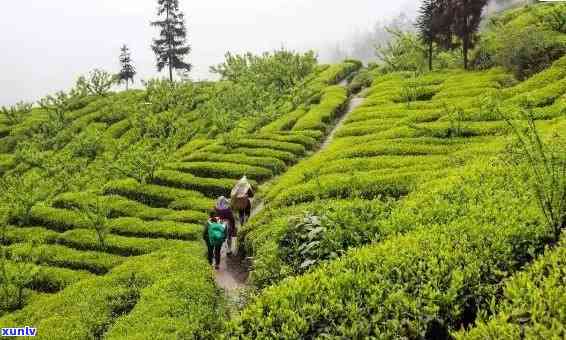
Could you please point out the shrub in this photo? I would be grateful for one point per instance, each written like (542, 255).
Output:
(532, 303)
(61, 256)
(210, 187)
(296, 149)
(356, 184)
(284, 156)
(222, 170)
(529, 51)
(285, 122)
(327, 233)
(58, 219)
(276, 165)
(53, 279)
(119, 207)
(362, 80)
(332, 102)
(423, 284)
(128, 290)
(157, 196)
(118, 129)
(130, 226)
(306, 141)
(82, 239)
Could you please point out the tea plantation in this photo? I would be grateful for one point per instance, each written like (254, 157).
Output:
(417, 220)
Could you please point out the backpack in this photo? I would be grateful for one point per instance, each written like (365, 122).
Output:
(216, 233)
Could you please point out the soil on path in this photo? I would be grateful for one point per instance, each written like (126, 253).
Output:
(233, 272)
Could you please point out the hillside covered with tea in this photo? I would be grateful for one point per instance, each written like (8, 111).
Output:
(407, 199)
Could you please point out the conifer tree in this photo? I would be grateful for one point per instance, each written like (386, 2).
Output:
(171, 47)
(427, 25)
(128, 70)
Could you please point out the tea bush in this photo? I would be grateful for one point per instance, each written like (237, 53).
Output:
(532, 303)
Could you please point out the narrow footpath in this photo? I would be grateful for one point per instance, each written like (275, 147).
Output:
(233, 273)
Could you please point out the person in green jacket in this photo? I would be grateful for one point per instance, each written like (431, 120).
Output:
(214, 234)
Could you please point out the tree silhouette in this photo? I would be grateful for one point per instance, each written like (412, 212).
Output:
(428, 26)
(128, 70)
(171, 47)
(466, 17)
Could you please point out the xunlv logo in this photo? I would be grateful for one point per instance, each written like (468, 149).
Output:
(22, 331)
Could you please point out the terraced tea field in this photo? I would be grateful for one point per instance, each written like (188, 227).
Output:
(154, 252)
(393, 204)
(422, 179)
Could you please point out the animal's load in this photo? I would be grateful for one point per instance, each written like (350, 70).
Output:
(239, 194)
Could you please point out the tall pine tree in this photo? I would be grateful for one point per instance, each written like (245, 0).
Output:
(171, 47)
(128, 70)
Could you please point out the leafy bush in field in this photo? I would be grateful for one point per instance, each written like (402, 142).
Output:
(285, 122)
(60, 256)
(15, 114)
(404, 52)
(155, 195)
(332, 102)
(307, 141)
(130, 226)
(328, 233)
(276, 165)
(98, 83)
(118, 299)
(222, 170)
(525, 40)
(210, 187)
(529, 51)
(431, 280)
(532, 303)
(84, 239)
(284, 156)
(545, 170)
(297, 149)
(362, 80)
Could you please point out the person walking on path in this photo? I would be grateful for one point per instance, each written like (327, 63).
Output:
(214, 235)
(241, 199)
(224, 212)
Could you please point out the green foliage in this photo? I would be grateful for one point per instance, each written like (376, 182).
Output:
(328, 233)
(61, 256)
(403, 53)
(16, 114)
(97, 213)
(14, 281)
(98, 83)
(210, 187)
(276, 165)
(222, 170)
(156, 196)
(422, 284)
(528, 51)
(117, 299)
(532, 303)
(545, 170)
(331, 104)
(282, 70)
(255, 87)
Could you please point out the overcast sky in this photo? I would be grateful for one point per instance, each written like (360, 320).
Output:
(47, 44)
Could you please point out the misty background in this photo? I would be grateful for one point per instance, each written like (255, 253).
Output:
(47, 45)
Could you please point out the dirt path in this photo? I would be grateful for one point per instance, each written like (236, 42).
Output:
(233, 273)
(352, 105)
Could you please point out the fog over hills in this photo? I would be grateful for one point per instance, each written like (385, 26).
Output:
(48, 50)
